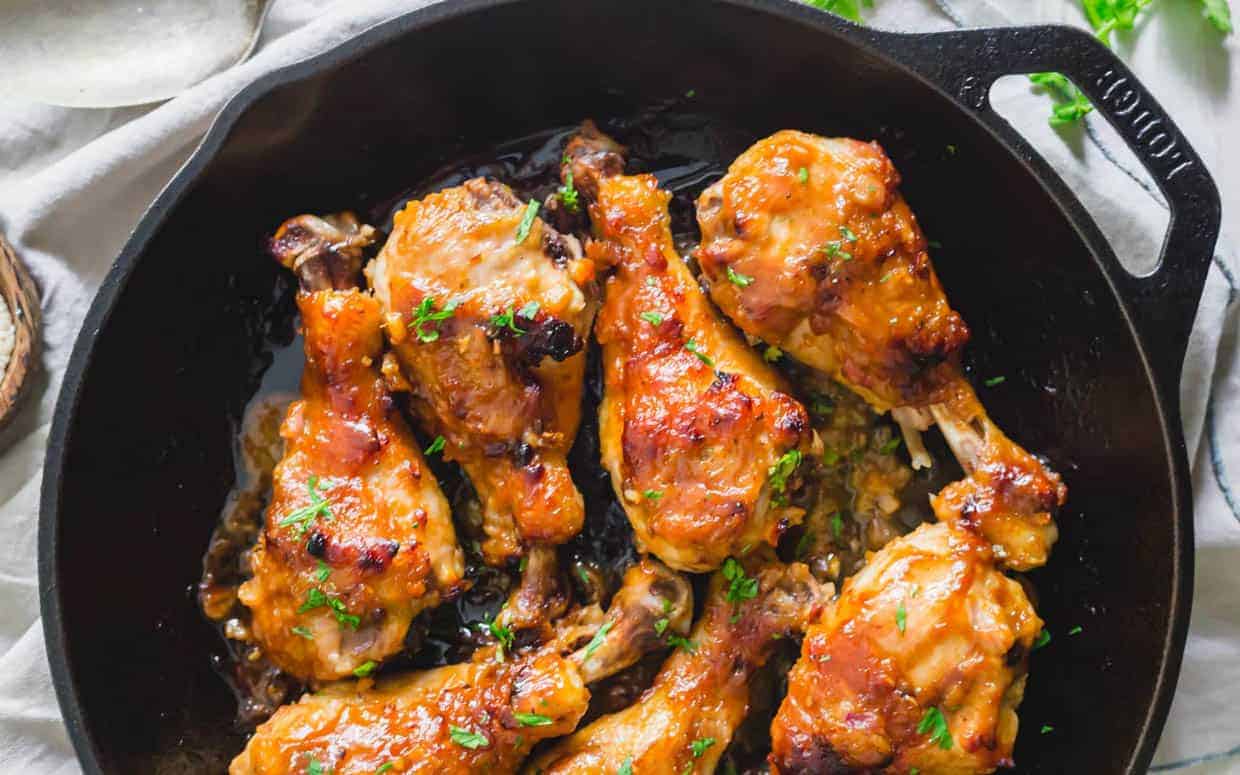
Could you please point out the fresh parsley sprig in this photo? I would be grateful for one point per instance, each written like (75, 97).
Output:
(305, 516)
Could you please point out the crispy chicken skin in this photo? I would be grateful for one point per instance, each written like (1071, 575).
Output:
(487, 310)
(839, 277)
(693, 423)
(928, 627)
(481, 716)
(701, 694)
(358, 538)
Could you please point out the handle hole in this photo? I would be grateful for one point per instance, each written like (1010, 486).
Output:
(1098, 167)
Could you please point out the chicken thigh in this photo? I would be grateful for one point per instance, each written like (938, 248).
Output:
(808, 245)
(700, 436)
(685, 721)
(358, 539)
(487, 309)
(917, 667)
(482, 716)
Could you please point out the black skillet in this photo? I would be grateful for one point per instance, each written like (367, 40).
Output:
(139, 458)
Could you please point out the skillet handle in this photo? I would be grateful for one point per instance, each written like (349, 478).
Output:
(1163, 303)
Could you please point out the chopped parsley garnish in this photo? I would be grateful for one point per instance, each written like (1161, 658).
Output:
(772, 353)
(322, 572)
(821, 405)
(529, 310)
(803, 175)
(1046, 728)
(303, 632)
(384, 767)
(837, 525)
(583, 575)
(994, 381)
(597, 641)
(315, 767)
(901, 618)
(316, 598)
(847, 234)
(692, 347)
(365, 669)
(1076, 630)
(653, 318)
(691, 93)
(740, 586)
(934, 723)
(652, 495)
(886, 277)
(525, 560)
(660, 626)
(568, 194)
(951, 150)
(626, 767)
(783, 469)
(738, 279)
(890, 445)
(426, 315)
(835, 249)
(533, 720)
(700, 745)
(1043, 638)
(505, 320)
(466, 739)
(682, 643)
(527, 221)
(435, 446)
(306, 515)
(503, 635)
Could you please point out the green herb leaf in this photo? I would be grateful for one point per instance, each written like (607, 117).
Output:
(527, 221)
(322, 572)
(740, 586)
(1071, 105)
(568, 194)
(835, 249)
(901, 618)
(847, 234)
(700, 745)
(660, 626)
(692, 347)
(467, 739)
(652, 495)
(1218, 12)
(683, 644)
(830, 457)
(426, 318)
(1076, 630)
(837, 525)
(653, 318)
(365, 669)
(303, 632)
(1047, 728)
(533, 719)
(738, 279)
(384, 767)
(890, 445)
(505, 321)
(315, 767)
(935, 723)
(1043, 638)
(314, 599)
(597, 641)
(626, 767)
(435, 446)
(784, 468)
(772, 354)
(993, 381)
(803, 175)
(302, 518)
(849, 9)
(529, 311)
(886, 277)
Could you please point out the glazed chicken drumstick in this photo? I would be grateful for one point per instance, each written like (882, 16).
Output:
(699, 434)
(482, 716)
(685, 721)
(808, 245)
(487, 311)
(358, 538)
(917, 667)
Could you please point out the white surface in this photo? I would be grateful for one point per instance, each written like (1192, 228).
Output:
(74, 182)
(103, 53)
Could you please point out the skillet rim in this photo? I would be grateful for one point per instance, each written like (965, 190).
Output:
(875, 42)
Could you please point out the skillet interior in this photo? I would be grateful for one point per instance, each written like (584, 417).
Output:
(146, 459)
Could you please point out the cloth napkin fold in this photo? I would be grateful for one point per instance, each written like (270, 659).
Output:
(73, 183)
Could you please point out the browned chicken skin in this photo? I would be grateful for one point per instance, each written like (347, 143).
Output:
(358, 538)
(482, 716)
(685, 721)
(833, 269)
(487, 310)
(920, 664)
(699, 434)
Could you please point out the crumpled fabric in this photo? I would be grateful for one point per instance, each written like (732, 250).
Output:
(74, 183)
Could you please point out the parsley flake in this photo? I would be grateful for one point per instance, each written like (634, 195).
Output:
(568, 194)
(533, 719)
(315, 767)
(365, 669)
(660, 626)
(303, 632)
(652, 495)
(597, 641)
(847, 234)
(901, 618)
(740, 586)
(700, 745)
(803, 175)
(1046, 728)
(772, 353)
(784, 468)
(1077, 630)
(426, 318)
(994, 381)
(306, 515)
(626, 767)
(527, 221)
(1043, 638)
(653, 318)
(890, 445)
(934, 723)
(467, 739)
(837, 525)
(835, 249)
(738, 279)
(384, 767)
(322, 572)
(682, 643)
(692, 347)
(505, 321)
(435, 446)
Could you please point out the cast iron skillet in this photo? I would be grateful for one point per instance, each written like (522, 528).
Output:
(139, 458)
